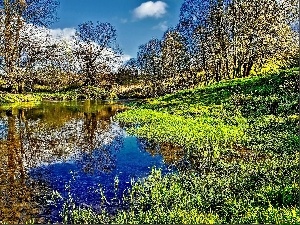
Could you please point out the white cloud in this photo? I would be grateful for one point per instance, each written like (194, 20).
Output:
(163, 26)
(125, 57)
(150, 9)
(65, 34)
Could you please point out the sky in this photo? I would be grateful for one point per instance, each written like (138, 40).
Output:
(136, 21)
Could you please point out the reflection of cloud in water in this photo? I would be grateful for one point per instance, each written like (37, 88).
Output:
(3, 129)
(67, 142)
(44, 136)
(59, 143)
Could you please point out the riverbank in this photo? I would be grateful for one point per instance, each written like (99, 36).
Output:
(82, 93)
(241, 162)
(69, 95)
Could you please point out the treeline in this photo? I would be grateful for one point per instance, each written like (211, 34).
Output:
(219, 39)
(32, 58)
(214, 40)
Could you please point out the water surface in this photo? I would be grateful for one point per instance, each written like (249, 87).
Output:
(54, 150)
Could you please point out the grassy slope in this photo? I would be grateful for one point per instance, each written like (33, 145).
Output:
(239, 112)
(241, 139)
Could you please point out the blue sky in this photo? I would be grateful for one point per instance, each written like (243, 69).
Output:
(136, 21)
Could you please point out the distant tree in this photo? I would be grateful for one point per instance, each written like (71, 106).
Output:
(291, 10)
(128, 73)
(193, 13)
(35, 48)
(96, 51)
(149, 61)
(14, 15)
(57, 67)
(202, 30)
(217, 66)
(175, 61)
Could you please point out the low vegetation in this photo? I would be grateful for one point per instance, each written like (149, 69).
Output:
(83, 93)
(241, 162)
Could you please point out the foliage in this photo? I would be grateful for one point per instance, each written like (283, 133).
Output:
(217, 40)
(16, 43)
(127, 73)
(85, 92)
(31, 55)
(149, 61)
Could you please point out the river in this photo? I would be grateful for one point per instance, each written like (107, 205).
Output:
(52, 152)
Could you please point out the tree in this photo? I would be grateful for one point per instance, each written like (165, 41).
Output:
(228, 38)
(96, 50)
(175, 61)
(193, 13)
(149, 61)
(37, 50)
(59, 68)
(128, 73)
(260, 31)
(15, 14)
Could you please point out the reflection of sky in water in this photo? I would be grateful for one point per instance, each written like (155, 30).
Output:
(3, 129)
(100, 167)
(60, 144)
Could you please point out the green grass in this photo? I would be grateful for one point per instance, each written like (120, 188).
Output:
(17, 98)
(201, 134)
(240, 112)
(241, 140)
(82, 93)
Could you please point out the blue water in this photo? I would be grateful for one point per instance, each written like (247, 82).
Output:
(3, 130)
(81, 178)
(67, 150)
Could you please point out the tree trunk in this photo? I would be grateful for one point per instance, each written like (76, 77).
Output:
(20, 87)
(247, 68)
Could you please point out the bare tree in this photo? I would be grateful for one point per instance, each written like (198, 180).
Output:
(175, 61)
(149, 61)
(14, 16)
(96, 51)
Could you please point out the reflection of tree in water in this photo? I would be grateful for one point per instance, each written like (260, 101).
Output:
(99, 156)
(16, 196)
(172, 154)
(83, 137)
(47, 142)
(177, 156)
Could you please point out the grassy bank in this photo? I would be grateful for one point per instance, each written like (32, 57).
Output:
(89, 92)
(15, 98)
(240, 139)
(246, 113)
(82, 93)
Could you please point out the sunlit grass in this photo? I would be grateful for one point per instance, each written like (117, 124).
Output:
(241, 140)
